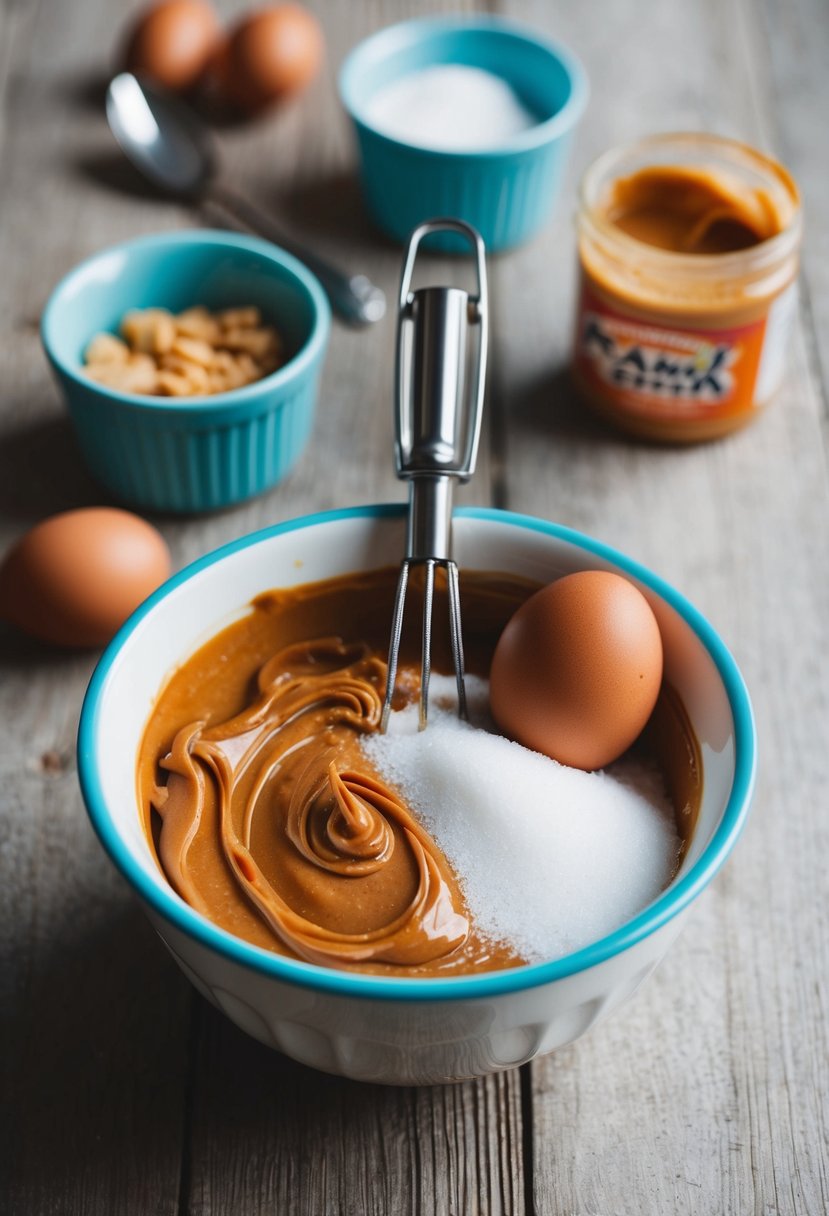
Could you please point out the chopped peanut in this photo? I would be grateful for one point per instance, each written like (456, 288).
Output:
(137, 375)
(106, 348)
(110, 374)
(172, 384)
(151, 331)
(222, 361)
(140, 374)
(235, 377)
(240, 318)
(195, 373)
(198, 323)
(256, 342)
(188, 354)
(194, 350)
(249, 368)
(218, 382)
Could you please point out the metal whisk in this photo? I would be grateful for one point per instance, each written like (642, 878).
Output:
(441, 368)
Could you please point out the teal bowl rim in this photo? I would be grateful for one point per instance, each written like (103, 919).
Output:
(295, 369)
(534, 137)
(498, 983)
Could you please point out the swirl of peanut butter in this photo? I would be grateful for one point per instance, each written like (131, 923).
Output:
(279, 804)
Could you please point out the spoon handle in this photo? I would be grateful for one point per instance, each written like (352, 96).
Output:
(353, 297)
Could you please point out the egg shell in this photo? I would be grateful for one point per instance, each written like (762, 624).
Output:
(76, 577)
(172, 42)
(269, 54)
(577, 669)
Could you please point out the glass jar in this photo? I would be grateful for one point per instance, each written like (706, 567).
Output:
(681, 345)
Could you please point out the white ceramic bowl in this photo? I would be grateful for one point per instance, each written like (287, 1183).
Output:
(403, 1031)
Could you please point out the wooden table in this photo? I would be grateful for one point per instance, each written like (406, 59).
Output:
(704, 1094)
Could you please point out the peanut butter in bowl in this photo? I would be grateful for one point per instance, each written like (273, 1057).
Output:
(275, 809)
(688, 251)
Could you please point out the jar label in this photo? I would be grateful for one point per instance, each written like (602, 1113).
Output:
(779, 326)
(659, 371)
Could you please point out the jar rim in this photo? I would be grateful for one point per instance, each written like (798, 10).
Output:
(756, 258)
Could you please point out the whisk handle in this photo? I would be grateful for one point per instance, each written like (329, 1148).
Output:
(441, 368)
(429, 532)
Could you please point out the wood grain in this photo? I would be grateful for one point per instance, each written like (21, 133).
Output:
(679, 1104)
(707, 1093)
(270, 1135)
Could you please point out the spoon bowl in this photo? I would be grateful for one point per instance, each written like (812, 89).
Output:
(169, 145)
(162, 138)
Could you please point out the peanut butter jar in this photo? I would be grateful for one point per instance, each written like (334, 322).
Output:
(688, 251)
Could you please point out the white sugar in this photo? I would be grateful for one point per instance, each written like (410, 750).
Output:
(450, 107)
(550, 858)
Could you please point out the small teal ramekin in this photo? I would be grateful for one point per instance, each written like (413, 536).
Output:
(196, 453)
(507, 192)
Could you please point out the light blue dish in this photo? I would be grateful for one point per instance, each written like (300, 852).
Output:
(508, 192)
(199, 453)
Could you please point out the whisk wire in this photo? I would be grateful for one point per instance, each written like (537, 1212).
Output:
(394, 643)
(456, 636)
(426, 647)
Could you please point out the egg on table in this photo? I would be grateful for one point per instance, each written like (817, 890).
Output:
(269, 54)
(172, 42)
(74, 579)
(578, 668)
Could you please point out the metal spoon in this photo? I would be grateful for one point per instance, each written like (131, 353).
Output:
(170, 146)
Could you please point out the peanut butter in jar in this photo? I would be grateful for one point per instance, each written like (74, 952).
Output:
(688, 252)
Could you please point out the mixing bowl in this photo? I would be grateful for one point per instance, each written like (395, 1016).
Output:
(507, 192)
(193, 453)
(372, 1028)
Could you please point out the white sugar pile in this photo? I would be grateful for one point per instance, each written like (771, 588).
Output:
(450, 107)
(550, 858)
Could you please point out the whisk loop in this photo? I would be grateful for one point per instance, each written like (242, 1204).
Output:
(441, 367)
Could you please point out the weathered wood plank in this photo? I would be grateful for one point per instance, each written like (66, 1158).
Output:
(797, 44)
(707, 1094)
(95, 1017)
(271, 1135)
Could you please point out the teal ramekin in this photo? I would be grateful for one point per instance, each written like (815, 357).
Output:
(507, 192)
(196, 453)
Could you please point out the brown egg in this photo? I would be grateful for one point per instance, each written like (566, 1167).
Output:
(172, 42)
(269, 54)
(578, 668)
(75, 578)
